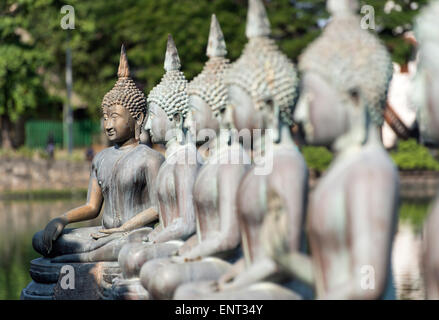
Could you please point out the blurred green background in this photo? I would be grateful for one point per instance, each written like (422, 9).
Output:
(33, 44)
(33, 47)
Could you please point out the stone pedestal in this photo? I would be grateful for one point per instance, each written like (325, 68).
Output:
(75, 281)
(129, 289)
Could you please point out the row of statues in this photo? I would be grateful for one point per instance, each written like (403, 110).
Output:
(194, 225)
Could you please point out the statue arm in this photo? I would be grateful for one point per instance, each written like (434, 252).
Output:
(256, 272)
(237, 268)
(371, 217)
(275, 241)
(151, 174)
(184, 225)
(299, 265)
(229, 236)
(91, 209)
(88, 211)
(138, 221)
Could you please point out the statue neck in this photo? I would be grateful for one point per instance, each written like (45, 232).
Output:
(284, 136)
(219, 143)
(127, 144)
(357, 138)
(172, 145)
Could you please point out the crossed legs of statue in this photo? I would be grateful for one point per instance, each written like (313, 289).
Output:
(162, 277)
(259, 291)
(78, 245)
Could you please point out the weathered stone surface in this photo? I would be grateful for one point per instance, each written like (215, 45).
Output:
(38, 291)
(92, 281)
(25, 174)
(129, 289)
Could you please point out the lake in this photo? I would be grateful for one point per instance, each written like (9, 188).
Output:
(19, 220)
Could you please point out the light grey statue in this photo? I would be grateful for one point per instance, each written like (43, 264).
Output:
(426, 98)
(121, 179)
(262, 86)
(206, 254)
(167, 107)
(352, 213)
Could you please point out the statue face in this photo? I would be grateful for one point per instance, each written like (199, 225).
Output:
(426, 97)
(158, 124)
(119, 124)
(243, 112)
(320, 112)
(200, 117)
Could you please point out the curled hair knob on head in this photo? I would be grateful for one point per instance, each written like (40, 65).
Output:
(125, 91)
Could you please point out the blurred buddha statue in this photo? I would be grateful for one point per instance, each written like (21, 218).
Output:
(352, 213)
(206, 255)
(167, 107)
(121, 179)
(262, 90)
(426, 98)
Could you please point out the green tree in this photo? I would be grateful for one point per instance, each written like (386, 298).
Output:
(21, 85)
(142, 25)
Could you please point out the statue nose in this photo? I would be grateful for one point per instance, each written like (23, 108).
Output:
(148, 124)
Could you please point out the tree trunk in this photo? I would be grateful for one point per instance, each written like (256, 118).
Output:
(6, 132)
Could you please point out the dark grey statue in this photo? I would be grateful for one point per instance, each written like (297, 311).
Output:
(121, 179)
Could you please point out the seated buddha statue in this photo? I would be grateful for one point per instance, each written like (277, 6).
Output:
(120, 180)
(167, 109)
(353, 211)
(262, 90)
(208, 253)
(426, 98)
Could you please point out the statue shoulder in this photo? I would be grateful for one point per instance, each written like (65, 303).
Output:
(293, 158)
(97, 159)
(152, 156)
(376, 163)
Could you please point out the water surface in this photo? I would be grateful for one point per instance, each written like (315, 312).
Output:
(19, 220)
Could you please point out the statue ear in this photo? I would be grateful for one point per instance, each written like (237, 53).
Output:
(270, 105)
(178, 119)
(139, 117)
(138, 127)
(354, 94)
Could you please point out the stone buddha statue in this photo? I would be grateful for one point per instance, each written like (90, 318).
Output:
(426, 98)
(121, 179)
(262, 87)
(352, 214)
(208, 253)
(167, 108)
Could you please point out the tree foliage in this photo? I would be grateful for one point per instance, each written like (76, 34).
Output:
(143, 25)
(21, 81)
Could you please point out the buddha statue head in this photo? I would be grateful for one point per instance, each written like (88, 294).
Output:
(123, 107)
(426, 82)
(168, 101)
(262, 83)
(345, 77)
(207, 91)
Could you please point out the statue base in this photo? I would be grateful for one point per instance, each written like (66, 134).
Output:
(70, 281)
(129, 289)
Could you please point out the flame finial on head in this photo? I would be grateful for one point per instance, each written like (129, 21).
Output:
(124, 68)
(209, 84)
(216, 46)
(172, 60)
(125, 92)
(258, 24)
(171, 93)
